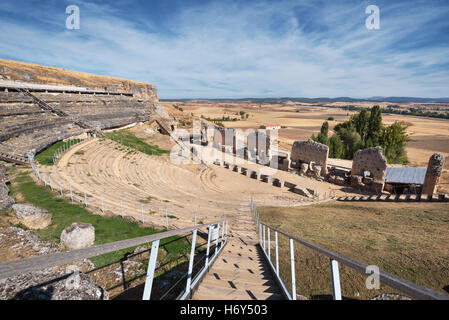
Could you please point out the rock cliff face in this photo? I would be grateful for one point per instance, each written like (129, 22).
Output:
(28, 72)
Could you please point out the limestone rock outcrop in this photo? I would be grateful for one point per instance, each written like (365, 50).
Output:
(51, 285)
(58, 283)
(32, 217)
(78, 235)
(5, 200)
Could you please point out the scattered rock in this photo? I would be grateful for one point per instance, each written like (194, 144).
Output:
(130, 219)
(51, 285)
(32, 217)
(303, 169)
(20, 244)
(317, 171)
(59, 283)
(78, 235)
(5, 200)
(357, 181)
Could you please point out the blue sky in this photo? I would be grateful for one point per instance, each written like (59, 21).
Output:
(236, 49)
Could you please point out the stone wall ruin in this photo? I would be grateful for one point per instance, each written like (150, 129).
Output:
(433, 173)
(373, 162)
(309, 152)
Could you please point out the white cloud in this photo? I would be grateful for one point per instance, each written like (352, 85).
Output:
(223, 50)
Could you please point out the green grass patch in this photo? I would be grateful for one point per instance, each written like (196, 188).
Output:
(107, 229)
(45, 157)
(126, 138)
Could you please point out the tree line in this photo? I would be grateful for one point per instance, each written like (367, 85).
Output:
(364, 130)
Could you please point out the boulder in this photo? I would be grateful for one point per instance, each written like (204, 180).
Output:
(78, 235)
(32, 217)
(356, 181)
(317, 171)
(303, 168)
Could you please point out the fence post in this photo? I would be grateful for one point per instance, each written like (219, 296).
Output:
(216, 240)
(222, 232)
(192, 255)
(85, 198)
(208, 246)
(102, 204)
(150, 271)
(336, 288)
(277, 252)
(121, 207)
(60, 188)
(269, 244)
(141, 212)
(264, 240)
(71, 194)
(166, 219)
(292, 263)
(51, 184)
(226, 233)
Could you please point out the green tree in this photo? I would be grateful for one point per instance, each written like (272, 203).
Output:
(323, 136)
(336, 148)
(361, 122)
(375, 125)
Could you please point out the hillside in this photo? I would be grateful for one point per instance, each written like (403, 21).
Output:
(28, 72)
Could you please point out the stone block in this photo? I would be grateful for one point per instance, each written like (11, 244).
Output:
(32, 217)
(78, 235)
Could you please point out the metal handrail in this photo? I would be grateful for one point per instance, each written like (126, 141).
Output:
(15, 267)
(409, 288)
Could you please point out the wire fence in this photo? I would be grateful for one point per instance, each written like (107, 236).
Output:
(127, 208)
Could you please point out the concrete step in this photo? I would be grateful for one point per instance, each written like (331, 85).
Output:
(218, 293)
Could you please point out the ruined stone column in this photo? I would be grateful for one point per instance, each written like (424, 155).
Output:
(433, 173)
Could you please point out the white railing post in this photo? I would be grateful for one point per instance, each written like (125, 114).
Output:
(192, 255)
(216, 240)
(226, 233)
(264, 240)
(292, 264)
(208, 246)
(102, 204)
(166, 219)
(277, 252)
(336, 288)
(222, 232)
(51, 184)
(141, 212)
(260, 234)
(85, 198)
(150, 271)
(71, 194)
(269, 244)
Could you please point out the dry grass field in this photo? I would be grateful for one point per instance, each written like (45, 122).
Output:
(406, 239)
(300, 120)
